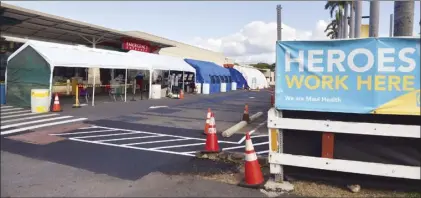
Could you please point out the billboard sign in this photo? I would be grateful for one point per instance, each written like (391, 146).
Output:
(365, 76)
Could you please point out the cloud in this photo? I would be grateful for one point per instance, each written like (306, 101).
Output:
(255, 42)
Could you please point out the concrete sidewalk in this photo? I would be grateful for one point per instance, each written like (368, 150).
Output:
(26, 177)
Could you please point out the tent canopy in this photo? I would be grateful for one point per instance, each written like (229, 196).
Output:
(162, 62)
(238, 78)
(251, 73)
(80, 56)
(205, 69)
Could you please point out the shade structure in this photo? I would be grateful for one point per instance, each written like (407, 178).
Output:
(254, 77)
(162, 62)
(205, 69)
(238, 78)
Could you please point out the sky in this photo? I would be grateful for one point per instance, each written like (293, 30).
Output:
(242, 30)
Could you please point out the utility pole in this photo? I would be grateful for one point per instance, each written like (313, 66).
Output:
(352, 20)
(279, 23)
(358, 15)
(374, 18)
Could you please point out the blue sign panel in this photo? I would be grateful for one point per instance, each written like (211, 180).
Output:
(366, 76)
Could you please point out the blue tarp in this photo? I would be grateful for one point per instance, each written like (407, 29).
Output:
(205, 69)
(237, 77)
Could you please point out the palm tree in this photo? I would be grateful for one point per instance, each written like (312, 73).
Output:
(337, 8)
(403, 18)
(332, 29)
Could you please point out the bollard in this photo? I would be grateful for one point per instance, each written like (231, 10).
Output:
(77, 105)
(230, 131)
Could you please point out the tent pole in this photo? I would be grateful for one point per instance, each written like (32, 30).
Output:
(93, 88)
(125, 87)
(150, 83)
(183, 81)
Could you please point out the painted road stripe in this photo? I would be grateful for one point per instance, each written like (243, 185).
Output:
(175, 146)
(262, 152)
(85, 132)
(256, 136)
(29, 118)
(236, 147)
(132, 147)
(131, 138)
(10, 109)
(176, 136)
(23, 114)
(40, 126)
(92, 136)
(151, 142)
(14, 112)
(33, 122)
(5, 107)
(252, 131)
(89, 127)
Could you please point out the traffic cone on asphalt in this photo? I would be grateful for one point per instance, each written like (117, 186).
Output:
(208, 116)
(253, 176)
(56, 105)
(212, 145)
(181, 94)
(246, 116)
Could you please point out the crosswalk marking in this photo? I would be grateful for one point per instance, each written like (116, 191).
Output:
(10, 109)
(19, 115)
(29, 118)
(33, 122)
(15, 112)
(114, 134)
(5, 107)
(40, 126)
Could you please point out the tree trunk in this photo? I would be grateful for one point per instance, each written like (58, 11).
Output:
(403, 18)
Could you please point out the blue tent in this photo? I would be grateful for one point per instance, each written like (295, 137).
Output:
(238, 78)
(208, 72)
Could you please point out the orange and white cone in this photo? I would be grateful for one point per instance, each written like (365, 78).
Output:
(181, 94)
(208, 116)
(246, 116)
(56, 105)
(212, 145)
(253, 176)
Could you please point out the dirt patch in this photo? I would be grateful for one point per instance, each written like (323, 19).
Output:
(42, 137)
(303, 188)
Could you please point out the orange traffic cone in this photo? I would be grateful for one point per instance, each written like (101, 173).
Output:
(212, 145)
(56, 105)
(253, 176)
(246, 116)
(181, 94)
(208, 116)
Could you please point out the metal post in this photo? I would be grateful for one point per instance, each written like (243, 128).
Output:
(352, 20)
(391, 26)
(279, 22)
(358, 17)
(150, 83)
(125, 87)
(94, 73)
(346, 33)
(374, 18)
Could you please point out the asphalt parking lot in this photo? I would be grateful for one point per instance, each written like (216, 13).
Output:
(132, 140)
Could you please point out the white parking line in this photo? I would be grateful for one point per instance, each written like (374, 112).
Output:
(29, 118)
(23, 114)
(5, 107)
(85, 132)
(175, 146)
(132, 147)
(114, 134)
(256, 136)
(89, 127)
(33, 122)
(14, 112)
(151, 142)
(131, 138)
(236, 147)
(176, 136)
(252, 131)
(10, 109)
(40, 126)
(262, 152)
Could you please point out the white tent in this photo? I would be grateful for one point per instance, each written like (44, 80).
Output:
(255, 78)
(162, 62)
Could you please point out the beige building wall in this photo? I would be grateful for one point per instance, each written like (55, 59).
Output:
(183, 50)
